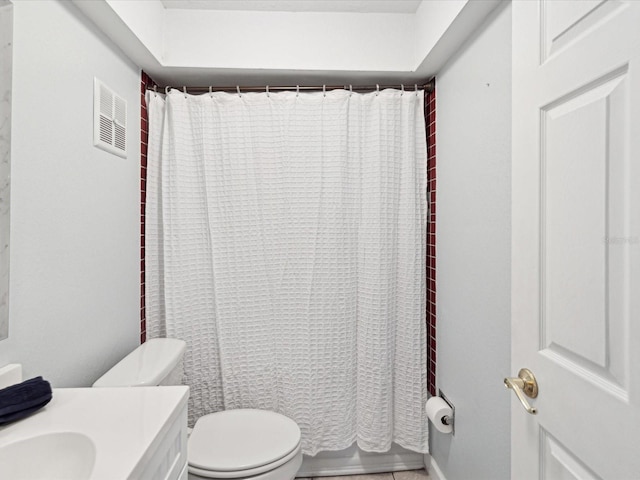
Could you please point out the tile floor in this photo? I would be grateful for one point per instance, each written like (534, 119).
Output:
(410, 475)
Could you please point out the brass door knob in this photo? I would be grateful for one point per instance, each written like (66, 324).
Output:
(524, 384)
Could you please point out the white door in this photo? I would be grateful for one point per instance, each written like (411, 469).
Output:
(576, 238)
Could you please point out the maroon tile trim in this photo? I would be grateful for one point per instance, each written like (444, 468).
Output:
(145, 82)
(430, 120)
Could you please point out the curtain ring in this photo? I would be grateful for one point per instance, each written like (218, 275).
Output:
(324, 90)
(210, 91)
(297, 90)
(402, 88)
(166, 90)
(267, 90)
(184, 89)
(238, 89)
(377, 89)
(350, 90)
(416, 89)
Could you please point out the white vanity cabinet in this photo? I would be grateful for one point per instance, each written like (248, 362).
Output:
(166, 458)
(129, 433)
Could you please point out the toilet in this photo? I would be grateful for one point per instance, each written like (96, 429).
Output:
(238, 444)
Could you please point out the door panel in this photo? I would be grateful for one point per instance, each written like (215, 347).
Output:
(558, 463)
(564, 22)
(583, 200)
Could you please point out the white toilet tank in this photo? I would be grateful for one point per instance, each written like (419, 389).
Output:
(156, 362)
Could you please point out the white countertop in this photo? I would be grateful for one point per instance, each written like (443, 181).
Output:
(125, 424)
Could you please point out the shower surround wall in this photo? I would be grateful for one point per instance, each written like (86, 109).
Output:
(430, 121)
(145, 83)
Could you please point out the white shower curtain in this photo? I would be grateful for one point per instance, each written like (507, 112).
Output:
(285, 243)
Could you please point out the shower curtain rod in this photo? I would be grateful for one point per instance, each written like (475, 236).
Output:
(429, 86)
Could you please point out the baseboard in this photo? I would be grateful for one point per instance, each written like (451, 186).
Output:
(354, 461)
(434, 470)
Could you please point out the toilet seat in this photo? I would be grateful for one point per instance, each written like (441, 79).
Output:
(246, 473)
(242, 443)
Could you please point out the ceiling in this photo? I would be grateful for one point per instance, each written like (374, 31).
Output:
(359, 6)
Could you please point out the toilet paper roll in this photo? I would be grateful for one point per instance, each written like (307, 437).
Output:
(437, 408)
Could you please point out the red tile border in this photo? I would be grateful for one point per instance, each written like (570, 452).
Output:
(430, 118)
(145, 82)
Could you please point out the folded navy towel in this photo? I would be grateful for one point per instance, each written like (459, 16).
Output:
(21, 400)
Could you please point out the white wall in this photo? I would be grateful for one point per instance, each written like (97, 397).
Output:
(74, 298)
(432, 19)
(473, 144)
(6, 39)
(287, 40)
(146, 18)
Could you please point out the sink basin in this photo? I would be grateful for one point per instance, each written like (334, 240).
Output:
(56, 455)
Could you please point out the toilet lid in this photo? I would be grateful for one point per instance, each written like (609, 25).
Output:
(241, 439)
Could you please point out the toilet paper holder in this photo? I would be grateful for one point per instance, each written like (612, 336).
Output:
(448, 419)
